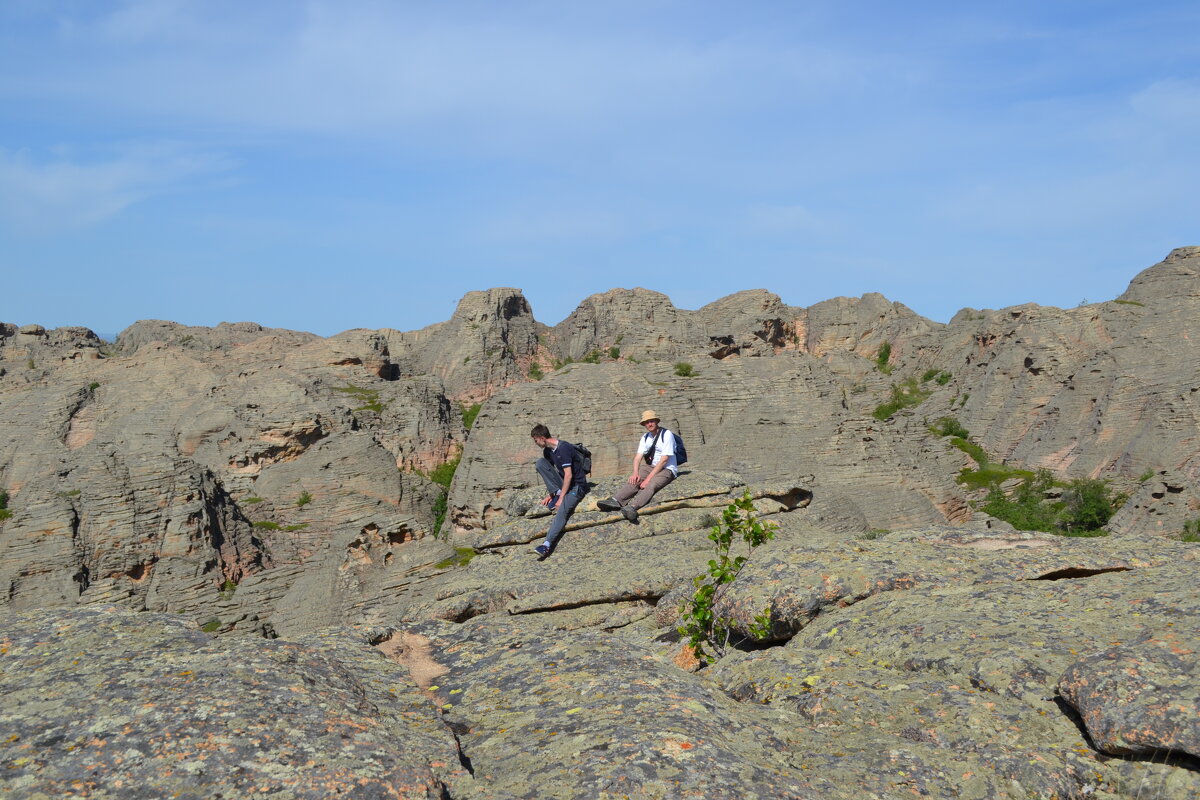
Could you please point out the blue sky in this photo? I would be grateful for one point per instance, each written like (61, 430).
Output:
(330, 165)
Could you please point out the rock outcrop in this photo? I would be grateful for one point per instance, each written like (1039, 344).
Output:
(272, 490)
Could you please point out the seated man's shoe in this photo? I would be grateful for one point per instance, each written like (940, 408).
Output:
(630, 513)
(609, 505)
(542, 551)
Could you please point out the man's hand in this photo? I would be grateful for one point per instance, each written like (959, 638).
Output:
(548, 500)
(633, 478)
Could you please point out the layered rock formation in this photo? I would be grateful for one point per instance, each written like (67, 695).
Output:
(270, 487)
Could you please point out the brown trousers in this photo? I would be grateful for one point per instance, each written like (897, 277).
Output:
(641, 497)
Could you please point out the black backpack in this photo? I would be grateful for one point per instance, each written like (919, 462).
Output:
(585, 458)
(680, 451)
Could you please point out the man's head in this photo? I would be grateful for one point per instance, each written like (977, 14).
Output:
(541, 435)
(649, 421)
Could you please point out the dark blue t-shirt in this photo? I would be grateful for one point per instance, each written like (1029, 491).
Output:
(563, 456)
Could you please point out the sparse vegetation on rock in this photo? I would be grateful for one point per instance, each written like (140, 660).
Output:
(707, 633)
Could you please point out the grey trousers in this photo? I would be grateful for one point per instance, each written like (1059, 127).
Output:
(641, 497)
(566, 506)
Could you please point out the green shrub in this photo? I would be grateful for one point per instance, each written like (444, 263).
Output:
(929, 375)
(943, 378)
(700, 625)
(469, 415)
(252, 500)
(592, 357)
(227, 589)
(1088, 505)
(874, 533)
(949, 426)
(1130, 303)
(684, 370)
(267, 525)
(1145, 476)
(212, 626)
(905, 394)
(93, 386)
(614, 353)
(462, 556)
(368, 397)
(535, 372)
(1191, 531)
(304, 499)
(883, 357)
(442, 475)
(560, 364)
(1027, 508)
(5, 513)
(1083, 509)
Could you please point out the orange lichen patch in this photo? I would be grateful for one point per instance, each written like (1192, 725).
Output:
(686, 659)
(676, 747)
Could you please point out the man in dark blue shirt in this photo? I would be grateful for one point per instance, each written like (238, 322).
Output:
(566, 483)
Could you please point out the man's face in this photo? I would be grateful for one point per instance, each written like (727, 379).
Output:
(541, 441)
(651, 425)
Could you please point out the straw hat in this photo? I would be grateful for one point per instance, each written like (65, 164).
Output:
(648, 415)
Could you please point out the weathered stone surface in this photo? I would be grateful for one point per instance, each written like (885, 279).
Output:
(767, 419)
(109, 704)
(266, 483)
(189, 459)
(1143, 697)
(488, 344)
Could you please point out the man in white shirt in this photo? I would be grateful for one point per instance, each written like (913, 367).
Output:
(654, 466)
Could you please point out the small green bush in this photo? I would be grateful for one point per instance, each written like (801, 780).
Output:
(535, 372)
(1088, 505)
(93, 386)
(252, 500)
(874, 533)
(943, 378)
(905, 394)
(1191, 531)
(1145, 476)
(212, 626)
(614, 353)
(227, 589)
(560, 364)
(469, 414)
(5, 513)
(267, 525)
(883, 357)
(684, 370)
(1083, 509)
(592, 357)
(929, 375)
(949, 426)
(1130, 303)
(442, 475)
(700, 625)
(368, 397)
(462, 556)
(304, 499)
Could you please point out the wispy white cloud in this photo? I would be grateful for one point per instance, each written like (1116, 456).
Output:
(44, 195)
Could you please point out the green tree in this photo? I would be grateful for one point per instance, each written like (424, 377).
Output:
(706, 632)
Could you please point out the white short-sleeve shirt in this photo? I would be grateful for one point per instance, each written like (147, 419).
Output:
(664, 447)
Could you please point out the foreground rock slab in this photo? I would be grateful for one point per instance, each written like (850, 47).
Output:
(111, 704)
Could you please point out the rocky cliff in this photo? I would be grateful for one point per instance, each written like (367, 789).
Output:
(237, 523)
